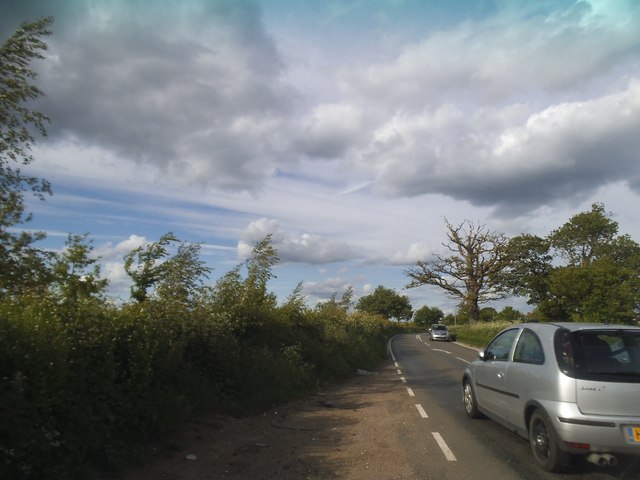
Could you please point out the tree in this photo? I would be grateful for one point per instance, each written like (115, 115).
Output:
(174, 277)
(581, 271)
(244, 305)
(76, 274)
(585, 236)
(144, 265)
(386, 302)
(426, 316)
(182, 275)
(22, 267)
(473, 274)
(488, 314)
(260, 270)
(510, 314)
(530, 263)
(342, 306)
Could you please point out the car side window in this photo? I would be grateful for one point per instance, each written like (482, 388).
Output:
(500, 347)
(529, 349)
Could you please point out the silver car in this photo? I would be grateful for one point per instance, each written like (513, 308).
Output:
(569, 388)
(439, 332)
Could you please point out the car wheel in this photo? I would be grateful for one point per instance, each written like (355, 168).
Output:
(469, 399)
(544, 444)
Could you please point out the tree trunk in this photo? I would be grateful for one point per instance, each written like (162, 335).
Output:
(474, 311)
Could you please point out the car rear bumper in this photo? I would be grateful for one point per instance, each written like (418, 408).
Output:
(595, 433)
(444, 338)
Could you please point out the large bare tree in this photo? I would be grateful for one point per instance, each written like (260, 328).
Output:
(472, 272)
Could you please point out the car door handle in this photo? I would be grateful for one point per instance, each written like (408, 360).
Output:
(500, 375)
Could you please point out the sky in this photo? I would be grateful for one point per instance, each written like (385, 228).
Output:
(348, 130)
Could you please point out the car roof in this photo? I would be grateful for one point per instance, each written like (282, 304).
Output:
(576, 326)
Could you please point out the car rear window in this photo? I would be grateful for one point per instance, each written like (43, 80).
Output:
(604, 355)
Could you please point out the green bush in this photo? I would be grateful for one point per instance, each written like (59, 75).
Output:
(85, 387)
(477, 335)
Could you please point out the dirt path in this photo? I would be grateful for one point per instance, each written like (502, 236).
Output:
(351, 431)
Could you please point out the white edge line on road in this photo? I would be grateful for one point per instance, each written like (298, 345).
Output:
(404, 380)
(444, 447)
(463, 360)
(410, 392)
(399, 372)
(440, 350)
(390, 350)
(421, 411)
(396, 364)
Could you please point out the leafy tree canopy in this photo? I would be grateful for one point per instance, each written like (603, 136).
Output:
(426, 316)
(22, 267)
(17, 121)
(386, 302)
(582, 271)
(172, 276)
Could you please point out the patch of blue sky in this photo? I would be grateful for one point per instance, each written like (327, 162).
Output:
(109, 215)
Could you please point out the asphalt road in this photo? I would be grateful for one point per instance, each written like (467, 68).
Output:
(446, 444)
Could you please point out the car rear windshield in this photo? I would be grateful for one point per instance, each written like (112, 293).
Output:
(604, 355)
(439, 327)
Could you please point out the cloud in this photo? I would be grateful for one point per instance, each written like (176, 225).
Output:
(196, 89)
(199, 93)
(330, 130)
(325, 289)
(304, 248)
(415, 252)
(566, 150)
(516, 51)
(107, 251)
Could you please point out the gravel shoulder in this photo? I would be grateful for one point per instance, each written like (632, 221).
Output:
(350, 431)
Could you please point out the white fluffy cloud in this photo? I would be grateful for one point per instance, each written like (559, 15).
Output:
(415, 252)
(304, 248)
(566, 149)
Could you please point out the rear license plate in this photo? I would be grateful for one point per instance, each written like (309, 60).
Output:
(632, 434)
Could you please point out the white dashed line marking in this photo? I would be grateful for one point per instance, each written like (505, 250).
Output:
(410, 392)
(399, 372)
(423, 414)
(404, 380)
(444, 447)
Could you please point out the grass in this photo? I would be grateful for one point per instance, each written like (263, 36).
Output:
(478, 335)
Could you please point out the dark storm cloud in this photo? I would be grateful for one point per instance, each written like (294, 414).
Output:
(169, 84)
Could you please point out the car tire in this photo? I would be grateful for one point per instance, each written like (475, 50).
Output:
(545, 445)
(469, 400)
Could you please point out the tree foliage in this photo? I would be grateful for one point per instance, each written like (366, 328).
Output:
(386, 302)
(426, 316)
(171, 276)
(76, 274)
(582, 271)
(22, 267)
(472, 274)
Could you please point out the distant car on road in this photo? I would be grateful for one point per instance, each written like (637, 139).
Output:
(569, 388)
(439, 332)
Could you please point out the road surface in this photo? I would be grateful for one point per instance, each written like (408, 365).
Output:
(447, 444)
